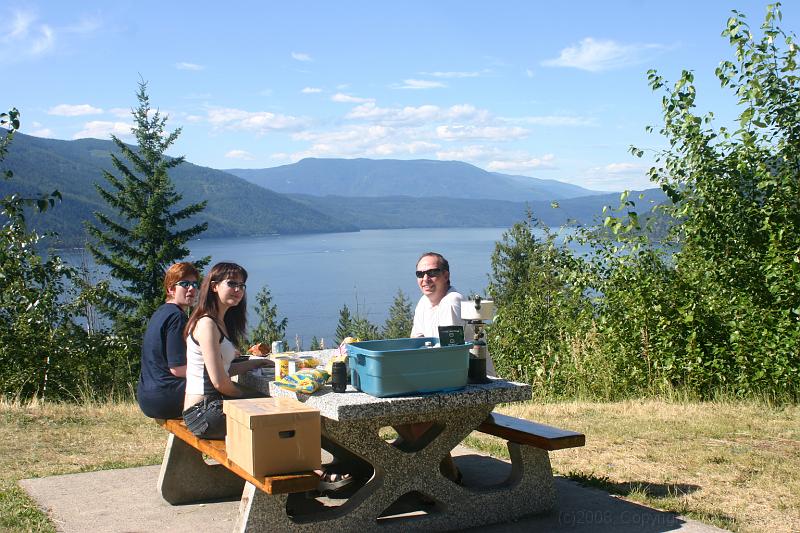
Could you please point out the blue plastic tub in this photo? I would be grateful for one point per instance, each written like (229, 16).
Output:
(401, 367)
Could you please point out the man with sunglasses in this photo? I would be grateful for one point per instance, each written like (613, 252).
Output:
(440, 304)
(162, 381)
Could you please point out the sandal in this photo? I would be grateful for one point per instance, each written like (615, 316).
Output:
(332, 480)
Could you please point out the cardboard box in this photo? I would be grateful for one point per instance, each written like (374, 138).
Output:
(269, 436)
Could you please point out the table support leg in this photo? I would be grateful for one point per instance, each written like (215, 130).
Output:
(185, 477)
(528, 489)
(259, 511)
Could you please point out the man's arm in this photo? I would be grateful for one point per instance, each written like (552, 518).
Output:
(178, 371)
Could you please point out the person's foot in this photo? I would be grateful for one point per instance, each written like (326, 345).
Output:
(449, 470)
(332, 480)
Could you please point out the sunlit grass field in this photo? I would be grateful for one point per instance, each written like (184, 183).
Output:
(729, 463)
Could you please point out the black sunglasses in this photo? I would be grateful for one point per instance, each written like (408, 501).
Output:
(187, 284)
(235, 284)
(432, 273)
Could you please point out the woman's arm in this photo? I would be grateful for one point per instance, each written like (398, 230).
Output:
(252, 363)
(208, 336)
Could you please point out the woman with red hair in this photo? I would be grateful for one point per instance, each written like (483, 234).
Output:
(162, 380)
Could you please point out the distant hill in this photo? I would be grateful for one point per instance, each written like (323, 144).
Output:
(423, 193)
(419, 178)
(407, 212)
(235, 207)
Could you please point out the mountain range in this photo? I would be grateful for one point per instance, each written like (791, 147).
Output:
(310, 196)
(421, 178)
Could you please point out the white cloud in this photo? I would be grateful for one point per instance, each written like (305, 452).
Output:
(67, 110)
(617, 176)
(495, 159)
(494, 133)
(361, 144)
(239, 154)
(44, 41)
(311, 90)
(120, 112)
(623, 168)
(452, 74)
(596, 55)
(84, 26)
(41, 132)
(100, 129)
(300, 56)
(473, 153)
(346, 98)
(529, 72)
(523, 164)
(413, 148)
(20, 25)
(352, 134)
(362, 140)
(183, 65)
(554, 120)
(259, 121)
(25, 38)
(417, 115)
(421, 84)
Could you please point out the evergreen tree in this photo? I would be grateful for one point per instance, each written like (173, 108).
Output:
(401, 318)
(146, 230)
(268, 329)
(315, 345)
(364, 330)
(345, 327)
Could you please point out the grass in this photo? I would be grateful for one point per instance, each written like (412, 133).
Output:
(732, 464)
(44, 439)
(735, 465)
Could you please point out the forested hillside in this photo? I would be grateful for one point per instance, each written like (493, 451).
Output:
(447, 193)
(235, 207)
(407, 212)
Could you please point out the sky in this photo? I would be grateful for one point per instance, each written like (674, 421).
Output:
(552, 90)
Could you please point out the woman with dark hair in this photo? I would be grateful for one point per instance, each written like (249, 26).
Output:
(215, 327)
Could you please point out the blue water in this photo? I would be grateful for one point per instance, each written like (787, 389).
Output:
(312, 276)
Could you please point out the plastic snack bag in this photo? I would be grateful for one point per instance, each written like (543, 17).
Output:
(306, 381)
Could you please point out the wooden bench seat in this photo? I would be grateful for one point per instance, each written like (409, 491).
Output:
(280, 484)
(530, 433)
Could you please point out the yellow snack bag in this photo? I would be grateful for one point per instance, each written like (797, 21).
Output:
(306, 381)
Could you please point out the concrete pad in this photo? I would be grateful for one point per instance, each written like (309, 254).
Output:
(126, 501)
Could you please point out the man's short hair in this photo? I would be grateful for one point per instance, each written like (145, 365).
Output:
(441, 262)
(177, 272)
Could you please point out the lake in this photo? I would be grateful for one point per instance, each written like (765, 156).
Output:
(312, 276)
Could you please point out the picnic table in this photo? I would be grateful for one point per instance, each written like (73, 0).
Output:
(351, 430)
(352, 421)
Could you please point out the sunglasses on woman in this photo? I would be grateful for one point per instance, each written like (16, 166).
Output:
(187, 284)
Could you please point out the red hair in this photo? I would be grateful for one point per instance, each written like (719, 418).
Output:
(177, 272)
